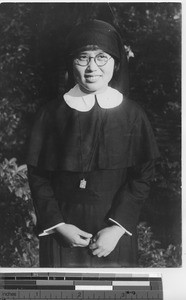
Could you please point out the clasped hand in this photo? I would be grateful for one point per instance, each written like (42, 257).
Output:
(74, 236)
(106, 240)
(102, 244)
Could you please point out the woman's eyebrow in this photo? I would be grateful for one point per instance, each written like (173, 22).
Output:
(88, 51)
(84, 52)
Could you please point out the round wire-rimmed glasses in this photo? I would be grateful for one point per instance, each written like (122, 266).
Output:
(100, 59)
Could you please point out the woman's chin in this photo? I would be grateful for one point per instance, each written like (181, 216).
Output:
(92, 88)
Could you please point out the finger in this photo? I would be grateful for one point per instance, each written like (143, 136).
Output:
(84, 234)
(97, 251)
(78, 245)
(106, 253)
(82, 242)
(93, 246)
(94, 239)
(102, 254)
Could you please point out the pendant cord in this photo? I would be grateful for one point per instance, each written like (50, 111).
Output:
(94, 146)
(80, 142)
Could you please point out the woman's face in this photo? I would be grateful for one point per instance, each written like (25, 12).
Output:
(93, 78)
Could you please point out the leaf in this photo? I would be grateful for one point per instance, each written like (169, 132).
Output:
(22, 168)
(12, 161)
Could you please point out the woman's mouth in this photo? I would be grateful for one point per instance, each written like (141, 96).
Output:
(92, 78)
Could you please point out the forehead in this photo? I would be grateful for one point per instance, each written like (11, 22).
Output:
(89, 49)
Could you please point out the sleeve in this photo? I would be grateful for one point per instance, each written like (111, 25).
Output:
(50, 230)
(46, 207)
(130, 197)
(141, 154)
(116, 223)
(42, 149)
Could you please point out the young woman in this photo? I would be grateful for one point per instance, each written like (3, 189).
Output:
(91, 158)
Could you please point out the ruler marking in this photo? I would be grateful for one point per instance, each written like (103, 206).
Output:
(84, 295)
(93, 288)
(96, 282)
(54, 282)
(131, 283)
(80, 286)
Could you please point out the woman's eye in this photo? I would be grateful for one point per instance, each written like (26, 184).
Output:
(83, 57)
(102, 56)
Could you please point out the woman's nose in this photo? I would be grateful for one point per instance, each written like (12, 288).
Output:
(92, 64)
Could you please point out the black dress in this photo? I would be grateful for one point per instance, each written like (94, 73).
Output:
(114, 149)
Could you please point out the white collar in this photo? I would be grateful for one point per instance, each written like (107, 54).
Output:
(80, 101)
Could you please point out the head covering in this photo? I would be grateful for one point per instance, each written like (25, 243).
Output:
(105, 36)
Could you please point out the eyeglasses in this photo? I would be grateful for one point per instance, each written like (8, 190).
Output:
(100, 59)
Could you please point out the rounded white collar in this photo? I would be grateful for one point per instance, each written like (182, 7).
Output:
(80, 101)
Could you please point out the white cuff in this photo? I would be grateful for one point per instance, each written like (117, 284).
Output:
(126, 231)
(50, 230)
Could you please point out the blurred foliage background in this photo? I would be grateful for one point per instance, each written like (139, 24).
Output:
(32, 71)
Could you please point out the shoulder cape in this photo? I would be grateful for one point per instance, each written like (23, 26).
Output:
(126, 139)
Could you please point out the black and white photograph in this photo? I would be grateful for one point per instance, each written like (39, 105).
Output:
(90, 137)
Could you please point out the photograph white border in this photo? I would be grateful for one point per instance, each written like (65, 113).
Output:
(173, 278)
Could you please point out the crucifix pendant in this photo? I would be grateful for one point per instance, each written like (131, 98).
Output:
(83, 184)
